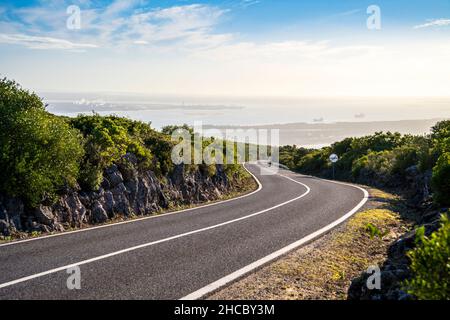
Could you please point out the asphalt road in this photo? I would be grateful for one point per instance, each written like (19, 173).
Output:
(172, 256)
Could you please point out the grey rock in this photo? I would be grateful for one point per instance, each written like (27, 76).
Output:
(85, 199)
(132, 187)
(120, 189)
(58, 227)
(44, 215)
(114, 176)
(131, 158)
(99, 214)
(388, 279)
(76, 209)
(124, 190)
(14, 210)
(105, 184)
(405, 243)
(121, 202)
(4, 228)
(108, 203)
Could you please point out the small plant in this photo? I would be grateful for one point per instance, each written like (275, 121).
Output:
(374, 231)
(430, 264)
(35, 234)
(6, 238)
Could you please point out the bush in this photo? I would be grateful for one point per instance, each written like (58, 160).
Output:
(313, 163)
(430, 265)
(404, 157)
(39, 152)
(441, 136)
(107, 140)
(441, 180)
(374, 167)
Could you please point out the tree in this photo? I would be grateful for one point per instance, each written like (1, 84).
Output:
(39, 152)
(441, 180)
(430, 265)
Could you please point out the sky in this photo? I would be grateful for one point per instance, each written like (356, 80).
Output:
(276, 48)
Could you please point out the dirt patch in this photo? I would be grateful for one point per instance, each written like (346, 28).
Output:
(325, 268)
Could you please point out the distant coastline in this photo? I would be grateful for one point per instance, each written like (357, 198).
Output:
(317, 135)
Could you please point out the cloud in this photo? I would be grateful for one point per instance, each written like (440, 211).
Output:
(248, 3)
(434, 23)
(142, 42)
(190, 24)
(122, 23)
(347, 13)
(287, 51)
(34, 42)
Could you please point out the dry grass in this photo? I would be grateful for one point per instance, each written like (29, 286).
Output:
(325, 268)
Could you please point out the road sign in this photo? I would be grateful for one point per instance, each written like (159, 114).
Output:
(334, 158)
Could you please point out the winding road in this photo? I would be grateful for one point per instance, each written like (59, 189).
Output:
(183, 255)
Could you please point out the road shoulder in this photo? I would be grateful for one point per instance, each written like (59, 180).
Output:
(325, 268)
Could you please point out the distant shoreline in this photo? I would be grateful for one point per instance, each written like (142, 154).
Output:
(318, 135)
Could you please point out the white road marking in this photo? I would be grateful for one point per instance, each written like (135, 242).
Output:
(212, 287)
(145, 245)
(65, 233)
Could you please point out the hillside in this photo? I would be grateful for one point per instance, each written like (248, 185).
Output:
(418, 169)
(59, 173)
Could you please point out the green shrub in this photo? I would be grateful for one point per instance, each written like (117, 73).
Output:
(404, 157)
(430, 265)
(39, 152)
(314, 162)
(441, 180)
(359, 166)
(375, 165)
(440, 134)
(107, 140)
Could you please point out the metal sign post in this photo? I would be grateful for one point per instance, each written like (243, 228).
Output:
(334, 158)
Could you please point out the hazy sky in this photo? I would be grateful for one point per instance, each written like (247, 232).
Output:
(229, 48)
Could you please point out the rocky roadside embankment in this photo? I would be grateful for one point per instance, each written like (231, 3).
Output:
(124, 193)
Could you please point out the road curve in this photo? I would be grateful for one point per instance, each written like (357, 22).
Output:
(181, 255)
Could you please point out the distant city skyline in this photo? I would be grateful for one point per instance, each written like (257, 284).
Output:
(228, 48)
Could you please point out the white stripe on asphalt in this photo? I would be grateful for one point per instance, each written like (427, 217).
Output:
(65, 233)
(210, 288)
(145, 245)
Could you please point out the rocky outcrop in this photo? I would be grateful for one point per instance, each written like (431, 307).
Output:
(418, 188)
(396, 268)
(11, 214)
(125, 191)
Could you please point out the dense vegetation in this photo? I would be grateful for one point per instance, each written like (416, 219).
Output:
(389, 160)
(42, 154)
(108, 139)
(381, 159)
(430, 264)
(39, 152)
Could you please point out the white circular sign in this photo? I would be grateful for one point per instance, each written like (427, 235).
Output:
(334, 158)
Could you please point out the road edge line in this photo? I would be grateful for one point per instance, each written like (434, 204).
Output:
(65, 233)
(222, 282)
(149, 244)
